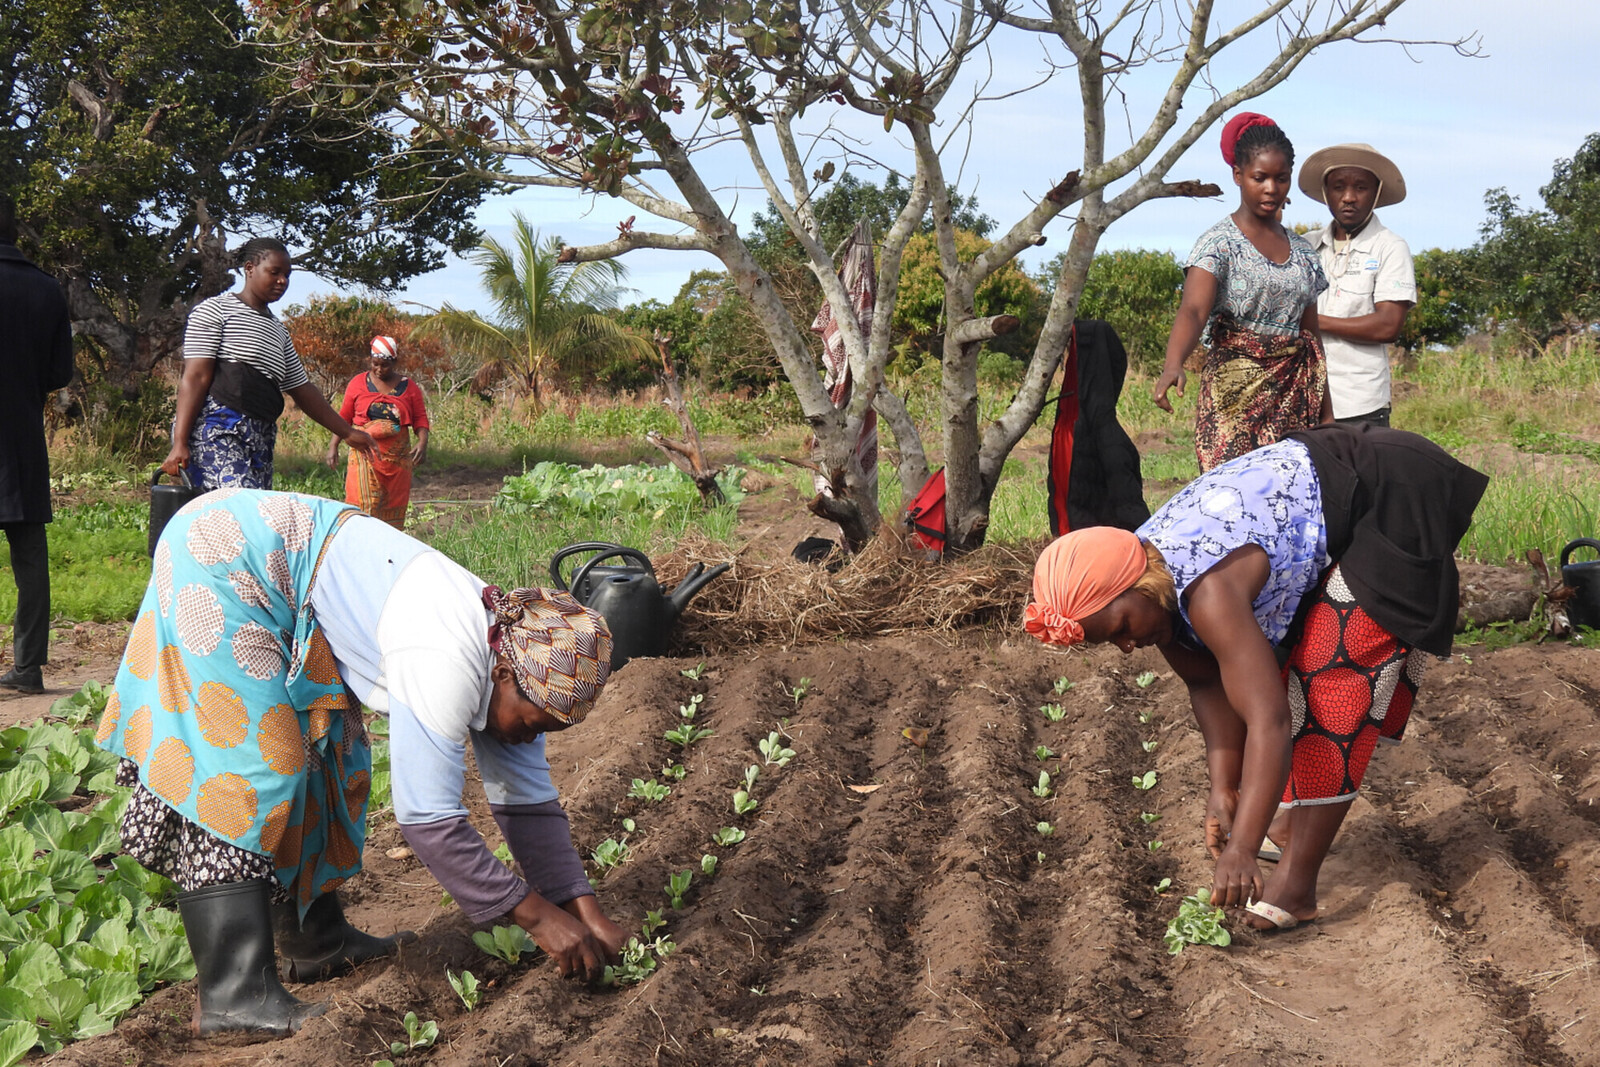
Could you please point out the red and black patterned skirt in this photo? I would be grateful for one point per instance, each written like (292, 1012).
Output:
(1351, 684)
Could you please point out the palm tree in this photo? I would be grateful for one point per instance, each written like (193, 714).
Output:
(548, 314)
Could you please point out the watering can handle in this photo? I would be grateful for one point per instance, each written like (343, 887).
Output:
(1581, 542)
(581, 546)
(617, 552)
(183, 476)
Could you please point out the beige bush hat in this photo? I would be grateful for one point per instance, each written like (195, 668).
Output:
(1317, 165)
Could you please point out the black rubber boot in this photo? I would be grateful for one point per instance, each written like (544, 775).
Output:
(323, 944)
(230, 934)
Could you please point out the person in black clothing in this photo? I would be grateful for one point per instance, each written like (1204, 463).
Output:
(35, 360)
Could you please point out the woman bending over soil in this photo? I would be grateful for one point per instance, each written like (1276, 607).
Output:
(1339, 539)
(268, 616)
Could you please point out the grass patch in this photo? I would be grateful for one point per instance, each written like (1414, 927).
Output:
(1523, 509)
(98, 563)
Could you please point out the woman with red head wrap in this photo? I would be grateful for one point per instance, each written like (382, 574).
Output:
(1250, 293)
(1334, 545)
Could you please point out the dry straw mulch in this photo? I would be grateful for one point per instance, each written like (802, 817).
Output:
(886, 588)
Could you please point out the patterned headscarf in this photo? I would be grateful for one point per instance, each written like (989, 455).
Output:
(558, 650)
(385, 348)
(1078, 574)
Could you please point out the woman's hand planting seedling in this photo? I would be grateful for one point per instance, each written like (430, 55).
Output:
(727, 836)
(687, 734)
(1063, 685)
(1043, 788)
(506, 943)
(1054, 712)
(1147, 780)
(418, 1034)
(651, 790)
(610, 853)
(466, 987)
(772, 750)
(677, 885)
(1044, 828)
(743, 804)
(708, 864)
(1197, 923)
(1042, 752)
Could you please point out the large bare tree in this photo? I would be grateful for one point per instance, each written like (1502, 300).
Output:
(624, 97)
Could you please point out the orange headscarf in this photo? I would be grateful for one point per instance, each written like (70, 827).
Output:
(1078, 574)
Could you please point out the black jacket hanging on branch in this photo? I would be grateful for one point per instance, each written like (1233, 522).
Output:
(1094, 477)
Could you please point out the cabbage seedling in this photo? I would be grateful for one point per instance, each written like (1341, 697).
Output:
(675, 771)
(1144, 717)
(466, 987)
(1149, 746)
(1147, 780)
(677, 885)
(1043, 788)
(686, 711)
(708, 864)
(1161, 886)
(629, 825)
(687, 734)
(1148, 817)
(694, 672)
(1054, 712)
(1044, 828)
(798, 693)
(743, 804)
(772, 750)
(651, 790)
(418, 1034)
(1144, 679)
(1042, 752)
(1197, 923)
(504, 942)
(751, 773)
(1153, 846)
(1063, 685)
(610, 853)
(727, 836)
(503, 853)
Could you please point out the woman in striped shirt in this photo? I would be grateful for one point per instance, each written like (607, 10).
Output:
(238, 362)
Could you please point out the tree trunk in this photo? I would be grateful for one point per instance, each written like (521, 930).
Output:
(687, 455)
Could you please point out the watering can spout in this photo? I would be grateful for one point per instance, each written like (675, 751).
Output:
(692, 583)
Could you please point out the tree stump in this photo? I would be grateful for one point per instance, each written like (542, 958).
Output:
(686, 455)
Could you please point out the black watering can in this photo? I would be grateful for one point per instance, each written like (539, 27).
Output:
(639, 615)
(165, 500)
(1584, 581)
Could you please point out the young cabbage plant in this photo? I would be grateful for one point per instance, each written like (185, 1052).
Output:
(675, 771)
(694, 673)
(727, 836)
(466, 987)
(418, 1034)
(687, 733)
(798, 693)
(1197, 923)
(1054, 712)
(686, 711)
(1063, 686)
(1145, 679)
(1042, 752)
(751, 773)
(1043, 788)
(1044, 828)
(1148, 817)
(506, 943)
(610, 853)
(772, 750)
(743, 803)
(1149, 746)
(708, 864)
(677, 885)
(651, 790)
(1147, 780)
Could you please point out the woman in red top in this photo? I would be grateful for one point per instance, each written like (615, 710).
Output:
(388, 406)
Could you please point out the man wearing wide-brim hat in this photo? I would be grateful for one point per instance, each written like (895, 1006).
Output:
(1371, 281)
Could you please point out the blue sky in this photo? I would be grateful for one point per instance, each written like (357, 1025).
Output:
(1456, 127)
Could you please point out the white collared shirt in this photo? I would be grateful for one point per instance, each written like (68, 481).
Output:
(1375, 266)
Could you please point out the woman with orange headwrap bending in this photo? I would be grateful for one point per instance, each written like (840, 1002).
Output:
(1335, 544)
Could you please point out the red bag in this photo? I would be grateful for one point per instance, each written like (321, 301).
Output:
(925, 514)
(1059, 476)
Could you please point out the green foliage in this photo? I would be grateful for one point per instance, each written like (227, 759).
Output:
(99, 563)
(773, 751)
(641, 955)
(381, 795)
(1043, 752)
(549, 314)
(677, 885)
(1054, 712)
(1447, 299)
(728, 836)
(82, 708)
(418, 1034)
(506, 943)
(919, 309)
(610, 853)
(743, 802)
(1145, 679)
(466, 987)
(1044, 828)
(651, 790)
(686, 733)
(82, 943)
(599, 490)
(175, 136)
(1145, 781)
(1137, 291)
(708, 864)
(1197, 923)
(1042, 788)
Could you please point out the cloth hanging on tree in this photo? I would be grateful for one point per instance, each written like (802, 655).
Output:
(1094, 477)
(860, 277)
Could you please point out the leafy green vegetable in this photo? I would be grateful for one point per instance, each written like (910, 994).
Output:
(1197, 923)
(507, 943)
(1147, 780)
(728, 835)
(651, 790)
(603, 491)
(466, 987)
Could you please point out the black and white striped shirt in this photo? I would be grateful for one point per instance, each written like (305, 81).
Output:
(225, 327)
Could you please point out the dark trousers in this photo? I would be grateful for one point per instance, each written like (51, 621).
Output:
(1380, 417)
(30, 566)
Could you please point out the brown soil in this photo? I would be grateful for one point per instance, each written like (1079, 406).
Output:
(921, 919)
